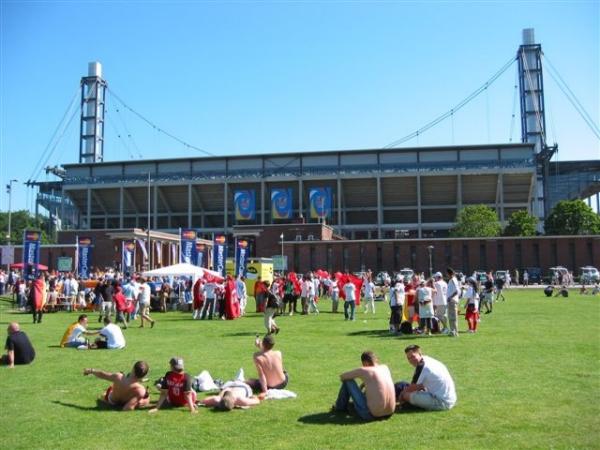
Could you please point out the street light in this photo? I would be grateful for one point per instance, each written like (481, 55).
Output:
(282, 260)
(149, 250)
(9, 192)
(430, 250)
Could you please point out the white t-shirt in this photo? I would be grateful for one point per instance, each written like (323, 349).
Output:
(397, 294)
(114, 336)
(209, 290)
(369, 289)
(350, 291)
(437, 380)
(453, 288)
(77, 334)
(441, 290)
(145, 293)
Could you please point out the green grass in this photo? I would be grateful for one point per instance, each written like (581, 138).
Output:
(529, 379)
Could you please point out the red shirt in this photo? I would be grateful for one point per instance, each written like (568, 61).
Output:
(178, 383)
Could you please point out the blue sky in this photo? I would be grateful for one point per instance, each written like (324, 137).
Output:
(277, 76)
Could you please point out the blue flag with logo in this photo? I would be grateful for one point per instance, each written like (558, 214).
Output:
(84, 256)
(187, 253)
(31, 253)
(128, 256)
(220, 254)
(241, 257)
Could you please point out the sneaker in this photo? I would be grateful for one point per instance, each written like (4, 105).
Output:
(82, 347)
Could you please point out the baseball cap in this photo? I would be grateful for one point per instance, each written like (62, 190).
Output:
(176, 363)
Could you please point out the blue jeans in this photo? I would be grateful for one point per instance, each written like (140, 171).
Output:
(209, 305)
(352, 306)
(350, 390)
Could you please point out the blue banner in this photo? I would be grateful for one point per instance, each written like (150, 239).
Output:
(200, 254)
(320, 202)
(220, 254)
(187, 253)
(241, 257)
(281, 203)
(244, 204)
(84, 257)
(128, 256)
(31, 254)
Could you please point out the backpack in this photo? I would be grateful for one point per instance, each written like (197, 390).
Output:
(406, 327)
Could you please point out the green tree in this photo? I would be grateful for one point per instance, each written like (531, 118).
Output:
(20, 221)
(476, 221)
(521, 223)
(570, 217)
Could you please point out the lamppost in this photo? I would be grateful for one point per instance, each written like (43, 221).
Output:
(282, 260)
(9, 192)
(149, 249)
(430, 250)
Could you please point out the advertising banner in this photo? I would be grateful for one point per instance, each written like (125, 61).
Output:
(128, 256)
(320, 202)
(244, 204)
(281, 203)
(187, 252)
(201, 259)
(241, 257)
(31, 253)
(84, 257)
(220, 254)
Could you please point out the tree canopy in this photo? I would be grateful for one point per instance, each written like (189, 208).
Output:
(476, 221)
(20, 221)
(521, 223)
(572, 217)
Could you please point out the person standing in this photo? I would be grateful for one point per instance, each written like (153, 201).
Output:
(259, 294)
(424, 295)
(368, 289)
(472, 313)
(350, 300)
(144, 300)
(525, 278)
(210, 294)
(379, 397)
(335, 294)
(19, 350)
(242, 293)
(454, 290)
(271, 306)
(198, 298)
(432, 387)
(37, 297)
(397, 293)
(440, 300)
(307, 287)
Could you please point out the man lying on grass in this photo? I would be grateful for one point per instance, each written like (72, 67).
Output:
(233, 394)
(126, 391)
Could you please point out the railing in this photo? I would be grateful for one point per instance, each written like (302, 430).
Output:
(295, 172)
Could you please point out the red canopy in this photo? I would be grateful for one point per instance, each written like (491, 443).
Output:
(21, 266)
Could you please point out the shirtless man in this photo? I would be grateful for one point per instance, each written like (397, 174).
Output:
(126, 391)
(233, 394)
(269, 365)
(379, 397)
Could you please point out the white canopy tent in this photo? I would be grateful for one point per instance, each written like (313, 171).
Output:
(180, 270)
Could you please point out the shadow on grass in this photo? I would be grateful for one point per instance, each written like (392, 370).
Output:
(330, 418)
(387, 334)
(242, 333)
(100, 406)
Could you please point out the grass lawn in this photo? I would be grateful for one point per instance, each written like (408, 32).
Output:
(530, 378)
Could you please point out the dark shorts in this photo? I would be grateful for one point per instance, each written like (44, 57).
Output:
(283, 384)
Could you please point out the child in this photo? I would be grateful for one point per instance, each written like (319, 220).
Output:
(472, 314)
(369, 295)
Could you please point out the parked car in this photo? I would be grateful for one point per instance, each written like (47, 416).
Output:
(480, 275)
(535, 275)
(501, 274)
(559, 275)
(382, 278)
(589, 275)
(407, 274)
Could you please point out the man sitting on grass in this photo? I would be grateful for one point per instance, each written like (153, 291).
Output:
(18, 347)
(233, 394)
(75, 334)
(126, 391)
(379, 398)
(176, 388)
(269, 365)
(432, 387)
(111, 336)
